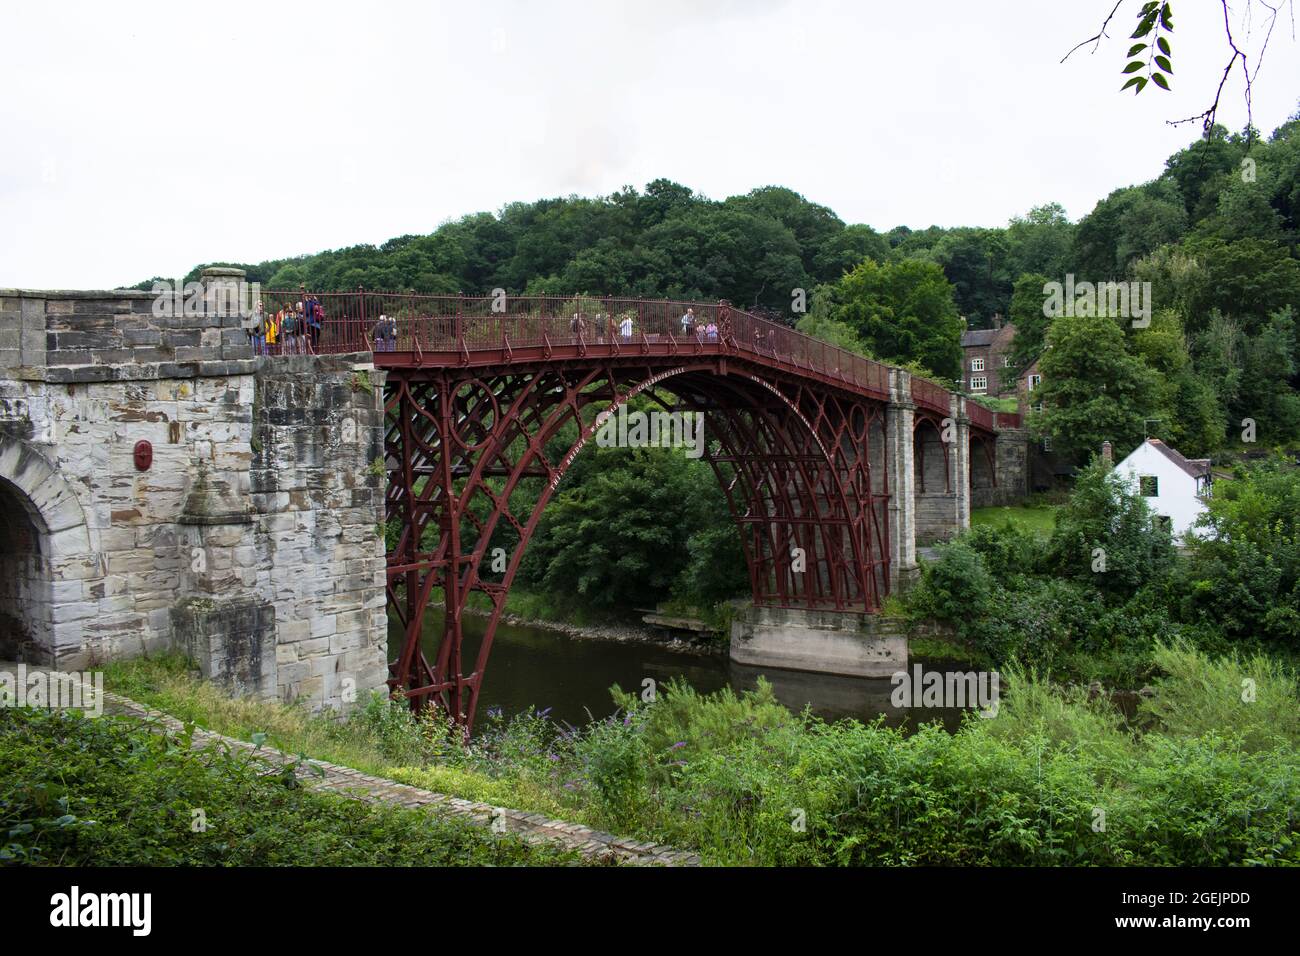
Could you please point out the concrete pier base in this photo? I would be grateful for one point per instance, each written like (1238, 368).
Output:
(826, 642)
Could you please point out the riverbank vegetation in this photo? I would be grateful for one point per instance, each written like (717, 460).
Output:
(114, 791)
(1202, 775)
(1089, 601)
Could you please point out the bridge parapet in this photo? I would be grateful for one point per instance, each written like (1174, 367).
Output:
(121, 335)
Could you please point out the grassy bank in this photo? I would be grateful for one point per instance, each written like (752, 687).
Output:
(76, 791)
(1207, 780)
(1040, 519)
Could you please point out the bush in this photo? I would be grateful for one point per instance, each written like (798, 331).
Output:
(1035, 624)
(115, 791)
(1245, 574)
(1203, 778)
(1250, 698)
(1106, 520)
(613, 754)
(1008, 549)
(957, 588)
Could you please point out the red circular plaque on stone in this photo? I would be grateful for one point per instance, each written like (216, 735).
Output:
(143, 455)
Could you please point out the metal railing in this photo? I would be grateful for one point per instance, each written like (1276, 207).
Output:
(1007, 420)
(929, 395)
(979, 416)
(450, 328)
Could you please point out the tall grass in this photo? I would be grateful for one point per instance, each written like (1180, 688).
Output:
(1201, 778)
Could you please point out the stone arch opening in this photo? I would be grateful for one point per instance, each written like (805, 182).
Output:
(25, 582)
(934, 496)
(983, 474)
(47, 545)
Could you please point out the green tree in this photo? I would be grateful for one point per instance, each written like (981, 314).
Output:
(1040, 242)
(973, 261)
(1106, 537)
(1248, 279)
(1267, 366)
(903, 312)
(810, 224)
(1126, 225)
(1093, 390)
(1243, 575)
(843, 250)
(618, 537)
(1026, 313)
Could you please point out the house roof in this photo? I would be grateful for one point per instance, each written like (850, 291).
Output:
(1196, 467)
(977, 337)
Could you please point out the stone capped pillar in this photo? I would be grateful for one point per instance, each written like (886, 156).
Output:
(961, 464)
(22, 333)
(229, 301)
(221, 622)
(902, 497)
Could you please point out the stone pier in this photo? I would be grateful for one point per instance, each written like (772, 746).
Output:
(856, 645)
(161, 487)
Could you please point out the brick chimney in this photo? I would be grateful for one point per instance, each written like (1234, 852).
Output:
(1107, 455)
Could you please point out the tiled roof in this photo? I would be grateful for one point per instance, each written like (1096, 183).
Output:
(976, 337)
(1196, 467)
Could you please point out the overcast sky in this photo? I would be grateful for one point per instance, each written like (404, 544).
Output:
(141, 139)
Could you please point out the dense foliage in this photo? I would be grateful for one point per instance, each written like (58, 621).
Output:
(1091, 601)
(1200, 778)
(112, 791)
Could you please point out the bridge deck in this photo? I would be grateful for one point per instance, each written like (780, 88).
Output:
(431, 331)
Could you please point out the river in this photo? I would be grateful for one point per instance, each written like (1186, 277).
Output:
(541, 667)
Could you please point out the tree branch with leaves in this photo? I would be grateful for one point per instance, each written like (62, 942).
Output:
(1150, 60)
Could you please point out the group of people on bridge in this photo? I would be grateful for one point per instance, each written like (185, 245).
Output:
(296, 329)
(624, 328)
(293, 330)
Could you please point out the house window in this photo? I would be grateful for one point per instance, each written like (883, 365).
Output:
(977, 365)
(1047, 443)
(1163, 523)
(1006, 361)
(1149, 486)
(979, 383)
(1034, 381)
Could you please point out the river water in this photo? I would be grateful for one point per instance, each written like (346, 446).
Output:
(541, 667)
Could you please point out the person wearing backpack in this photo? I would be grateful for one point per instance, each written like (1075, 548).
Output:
(315, 319)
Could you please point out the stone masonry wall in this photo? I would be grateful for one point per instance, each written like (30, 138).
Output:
(251, 540)
(319, 504)
(1011, 462)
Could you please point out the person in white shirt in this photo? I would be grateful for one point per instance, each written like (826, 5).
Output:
(688, 322)
(625, 327)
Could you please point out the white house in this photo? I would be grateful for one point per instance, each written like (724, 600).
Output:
(1175, 487)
